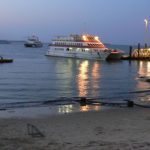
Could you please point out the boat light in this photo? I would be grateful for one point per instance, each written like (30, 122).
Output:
(84, 38)
(96, 38)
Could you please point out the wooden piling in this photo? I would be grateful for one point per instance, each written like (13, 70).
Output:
(130, 52)
(139, 47)
(145, 45)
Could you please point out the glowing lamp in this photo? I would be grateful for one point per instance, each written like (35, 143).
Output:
(146, 22)
(96, 38)
(84, 37)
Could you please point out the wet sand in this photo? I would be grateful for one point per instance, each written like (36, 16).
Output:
(110, 129)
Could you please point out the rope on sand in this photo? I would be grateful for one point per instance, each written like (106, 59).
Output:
(132, 103)
(82, 101)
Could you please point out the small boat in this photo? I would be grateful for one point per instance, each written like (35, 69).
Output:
(78, 46)
(33, 41)
(4, 60)
(115, 54)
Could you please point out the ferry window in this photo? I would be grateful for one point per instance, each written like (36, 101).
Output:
(59, 49)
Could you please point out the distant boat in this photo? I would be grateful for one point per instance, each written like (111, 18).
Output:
(5, 60)
(78, 46)
(33, 41)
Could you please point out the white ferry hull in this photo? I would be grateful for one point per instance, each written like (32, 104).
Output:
(78, 46)
(102, 55)
(33, 45)
(33, 42)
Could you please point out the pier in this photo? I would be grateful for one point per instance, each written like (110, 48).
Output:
(138, 54)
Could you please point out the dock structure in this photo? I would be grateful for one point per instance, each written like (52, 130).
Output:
(144, 53)
(139, 53)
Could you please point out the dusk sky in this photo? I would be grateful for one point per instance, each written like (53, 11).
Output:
(115, 21)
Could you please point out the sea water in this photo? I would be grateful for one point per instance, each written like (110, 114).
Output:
(35, 77)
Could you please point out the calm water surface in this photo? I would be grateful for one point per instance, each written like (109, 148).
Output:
(33, 76)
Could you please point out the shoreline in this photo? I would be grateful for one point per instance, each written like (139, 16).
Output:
(49, 110)
(116, 128)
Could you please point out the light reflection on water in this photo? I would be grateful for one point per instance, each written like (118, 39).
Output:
(62, 109)
(65, 109)
(88, 77)
(144, 68)
(90, 108)
(144, 80)
(96, 77)
(82, 78)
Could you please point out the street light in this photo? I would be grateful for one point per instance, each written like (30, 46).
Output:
(146, 23)
(146, 32)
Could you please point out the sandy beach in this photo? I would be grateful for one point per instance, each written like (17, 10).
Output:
(110, 129)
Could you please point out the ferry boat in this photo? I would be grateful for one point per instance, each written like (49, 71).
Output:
(33, 41)
(78, 46)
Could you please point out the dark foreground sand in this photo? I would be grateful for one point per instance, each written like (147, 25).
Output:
(115, 129)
